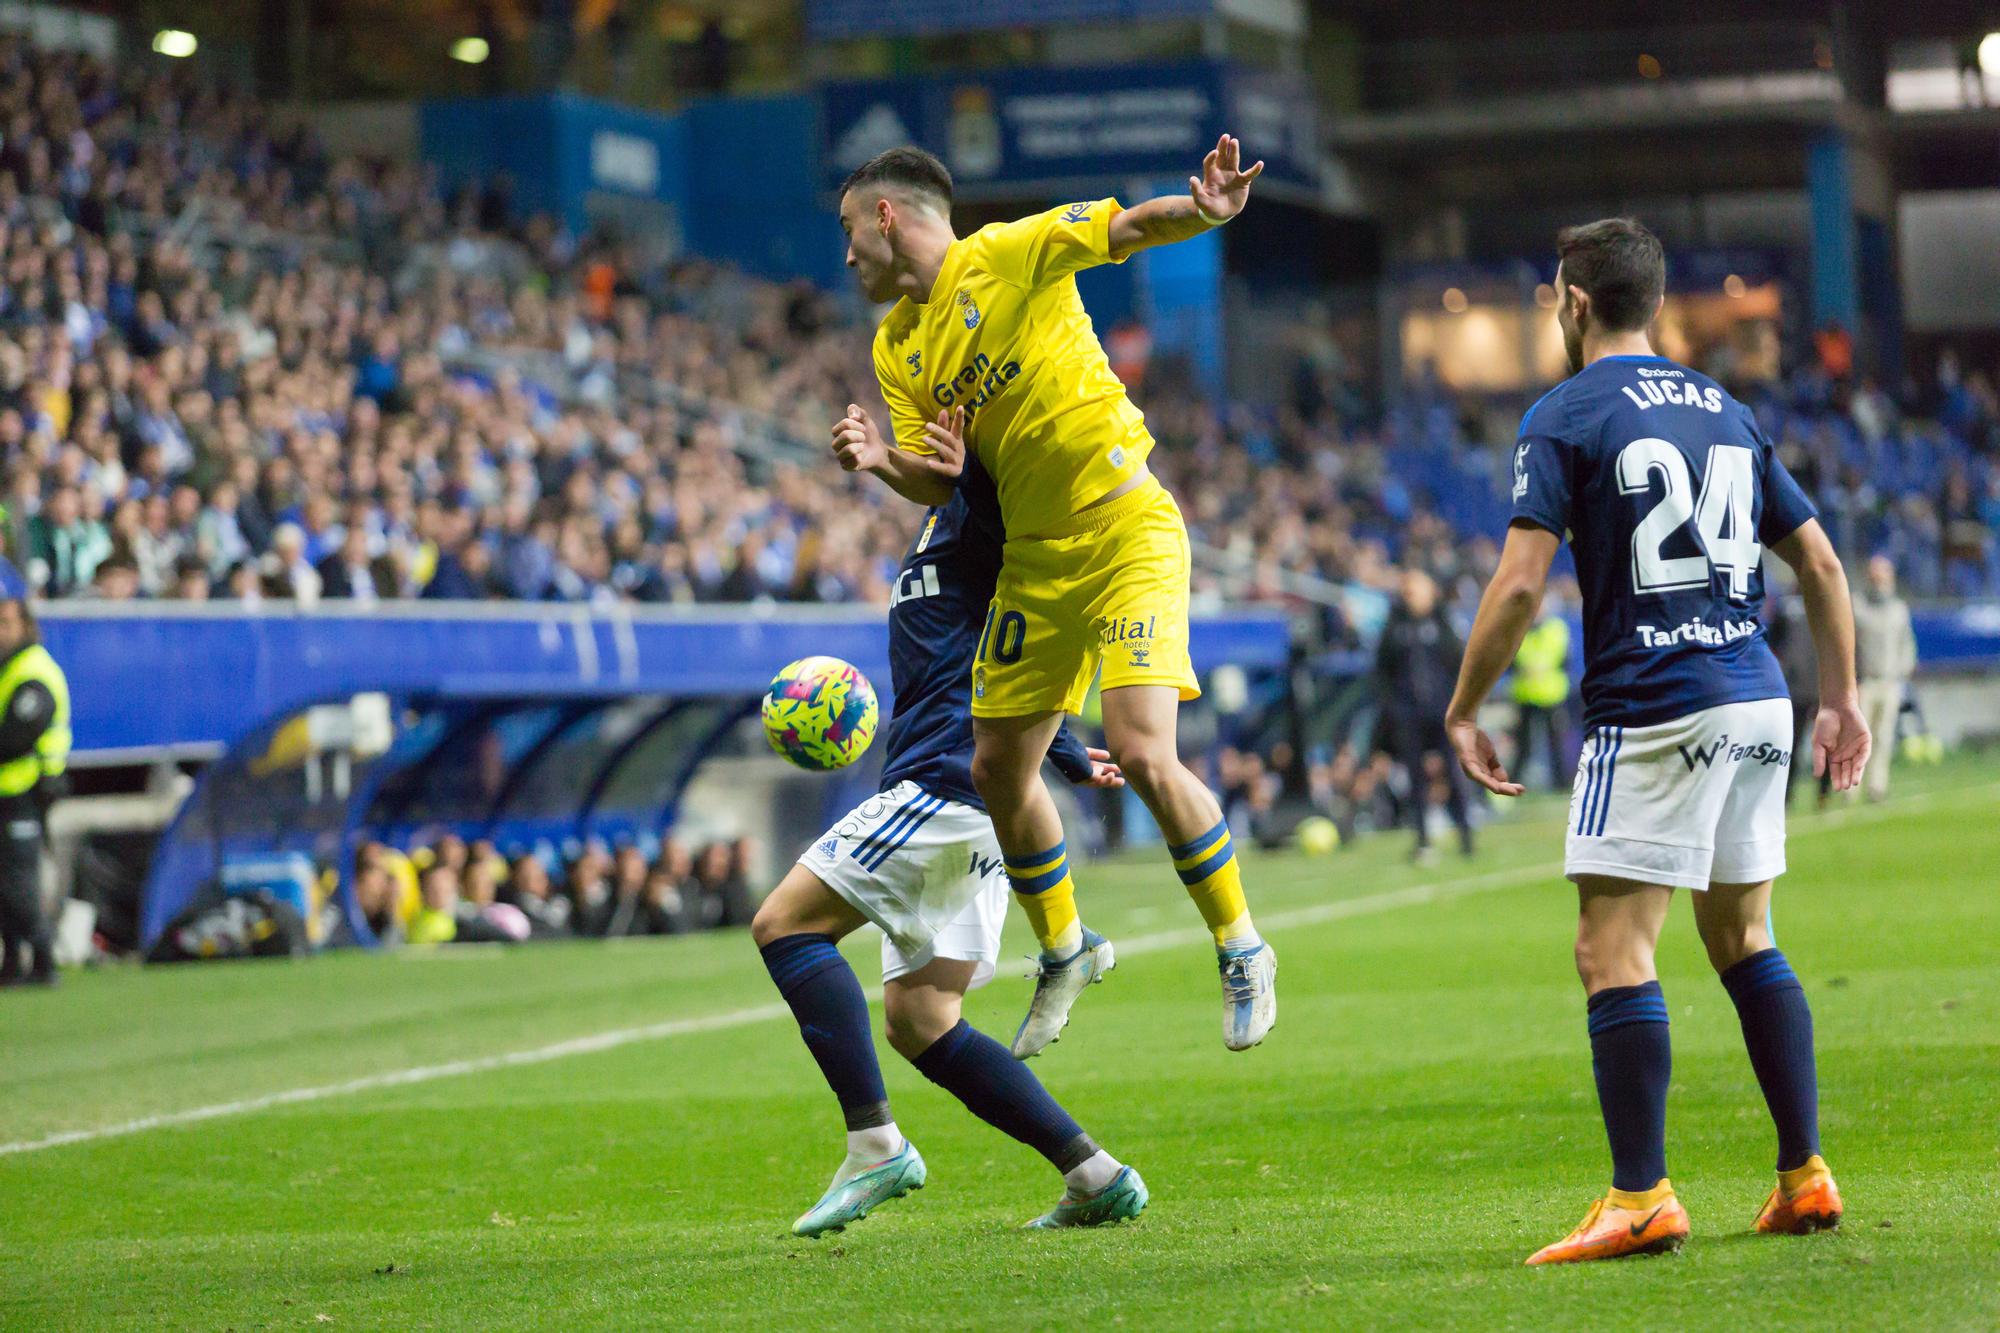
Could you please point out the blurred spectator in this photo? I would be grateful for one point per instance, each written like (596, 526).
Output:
(1541, 694)
(528, 889)
(588, 887)
(1416, 669)
(436, 920)
(722, 891)
(1885, 657)
(350, 574)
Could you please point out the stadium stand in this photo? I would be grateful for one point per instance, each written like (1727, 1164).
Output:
(235, 365)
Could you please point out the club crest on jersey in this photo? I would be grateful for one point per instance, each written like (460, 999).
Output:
(916, 360)
(930, 526)
(969, 308)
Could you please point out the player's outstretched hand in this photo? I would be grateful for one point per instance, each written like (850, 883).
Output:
(946, 437)
(1223, 188)
(857, 443)
(1841, 745)
(1478, 758)
(1103, 773)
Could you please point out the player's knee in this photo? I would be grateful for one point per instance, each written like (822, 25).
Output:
(1602, 962)
(998, 777)
(1730, 942)
(772, 923)
(1148, 765)
(912, 1023)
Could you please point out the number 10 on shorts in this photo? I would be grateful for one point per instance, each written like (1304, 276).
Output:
(1004, 635)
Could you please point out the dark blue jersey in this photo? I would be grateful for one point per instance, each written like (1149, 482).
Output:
(935, 617)
(1669, 494)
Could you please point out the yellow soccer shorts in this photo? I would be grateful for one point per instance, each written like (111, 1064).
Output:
(1109, 586)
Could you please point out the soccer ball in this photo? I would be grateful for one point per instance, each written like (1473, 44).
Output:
(1317, 835)
(820, 713)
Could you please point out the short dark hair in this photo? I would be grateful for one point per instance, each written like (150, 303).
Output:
(910, 168)
(1619, 265)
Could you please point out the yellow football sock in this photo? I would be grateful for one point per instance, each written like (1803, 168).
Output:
(1048, 896)
(1802, 1175)
(1640, 1200)
(1208, 867)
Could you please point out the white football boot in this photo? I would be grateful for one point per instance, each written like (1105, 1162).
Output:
(1057, 984)
(1249, 994)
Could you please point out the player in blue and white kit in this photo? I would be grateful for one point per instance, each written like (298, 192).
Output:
(1669, 493)
(919, 860)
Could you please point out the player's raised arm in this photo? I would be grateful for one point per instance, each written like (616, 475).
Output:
(1840, 734)
(1215, 196)
(1506, 610)
(927, 477)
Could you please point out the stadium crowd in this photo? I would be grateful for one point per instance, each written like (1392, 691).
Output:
(235, 365)
(451, 891)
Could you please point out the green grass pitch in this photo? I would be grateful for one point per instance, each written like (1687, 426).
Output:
(1421, 1119)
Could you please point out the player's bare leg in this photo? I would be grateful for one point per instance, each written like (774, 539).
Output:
(1141, 730)
(1618, 925)
(795, 929)
(1007, 759)
(924, 1021)
(1735, 925)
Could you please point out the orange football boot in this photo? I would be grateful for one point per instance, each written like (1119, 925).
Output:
(1620, 1224)
(1805, 1200)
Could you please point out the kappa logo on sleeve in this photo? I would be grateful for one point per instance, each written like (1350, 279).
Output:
(1076, 213)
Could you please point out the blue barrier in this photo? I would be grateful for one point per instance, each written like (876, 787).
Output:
(157, 678)
(1959, 638)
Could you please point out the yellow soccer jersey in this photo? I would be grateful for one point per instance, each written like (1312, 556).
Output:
(1005, 336)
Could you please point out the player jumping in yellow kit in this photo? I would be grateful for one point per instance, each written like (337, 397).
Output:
(988, 350)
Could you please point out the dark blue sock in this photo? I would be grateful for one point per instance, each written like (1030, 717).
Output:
(1633, 1061)
(826, 998)
(1778, 1030)
(997, 1088)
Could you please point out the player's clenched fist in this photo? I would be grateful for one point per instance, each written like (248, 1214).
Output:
(857, 443)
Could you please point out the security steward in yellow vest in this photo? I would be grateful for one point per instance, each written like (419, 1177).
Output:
(34, 752)
(1541, 696)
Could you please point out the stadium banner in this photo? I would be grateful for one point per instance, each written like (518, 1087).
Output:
(836, 20)
(652, 176)
(234, 671)
(1085, 129)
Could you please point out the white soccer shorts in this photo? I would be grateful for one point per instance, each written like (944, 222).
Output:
(1687, 803)
(924, 868)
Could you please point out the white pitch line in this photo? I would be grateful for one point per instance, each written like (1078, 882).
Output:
(1340, 909)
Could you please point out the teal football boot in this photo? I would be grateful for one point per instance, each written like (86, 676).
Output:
(857, 1196)
(1124, 1198)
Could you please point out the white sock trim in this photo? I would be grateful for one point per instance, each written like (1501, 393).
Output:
(1093, 1173)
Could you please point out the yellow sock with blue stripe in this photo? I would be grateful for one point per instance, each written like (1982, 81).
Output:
(1042, 886)
(1207, 865)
